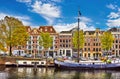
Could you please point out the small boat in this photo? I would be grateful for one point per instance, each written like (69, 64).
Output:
(86, 65)
(31, 63)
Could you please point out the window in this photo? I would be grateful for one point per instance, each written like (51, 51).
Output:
(60, 52)
(85, 54)
(96, 44)
(66, 45)
(66, 41)
(63, 45)
(42, 62)
(99, 49)
(32, 62)
(88, 44)
(99, 44)
(88, 54)
(116, 41)
(40, 47)
(24, 62)
(69, 40)
(60, 40)
(96, 49)
(29, 47)
(41, 29)
(60, 45)
(55, 46)
(85, 49)
(88, 49)
(51, 29)
(30, 37)
(116, 46)
(37, 62)
(45, 29)
(63, 51)
(36, 46)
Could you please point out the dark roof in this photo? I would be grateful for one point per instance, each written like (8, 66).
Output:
(65, 32)
(50, 29)
(90, 32)
(113, 29)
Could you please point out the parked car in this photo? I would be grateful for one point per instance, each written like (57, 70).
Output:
(28, 55)
(3, 54)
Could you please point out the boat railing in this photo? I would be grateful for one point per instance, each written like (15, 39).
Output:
(115, 61)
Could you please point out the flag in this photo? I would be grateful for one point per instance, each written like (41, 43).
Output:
(79, 13)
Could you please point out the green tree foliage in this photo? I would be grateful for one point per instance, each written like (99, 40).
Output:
(81, 39)
(45, 40)
(12, 33)
(20, 36)
(107, 40)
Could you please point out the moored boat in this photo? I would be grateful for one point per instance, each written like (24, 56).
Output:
(86, 65)
(28, 63)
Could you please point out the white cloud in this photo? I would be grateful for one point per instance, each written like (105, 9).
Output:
(56, 0)
(114, 18)
(51, 0)
(113, 23)
(47, 10)
(85, 19)
(24, 1)
(113, 15)
(24, 19)
(111, 6)
(84, 25)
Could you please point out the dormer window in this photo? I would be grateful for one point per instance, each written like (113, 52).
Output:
(41, 29)
(51, 29)
(45, 29)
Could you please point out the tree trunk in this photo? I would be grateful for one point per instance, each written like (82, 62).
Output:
(107, 54)
(10, 50)
(46, 60)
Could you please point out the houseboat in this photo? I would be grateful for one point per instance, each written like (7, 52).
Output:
(28, 63)
(66, 64)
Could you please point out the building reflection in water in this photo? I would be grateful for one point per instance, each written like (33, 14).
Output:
(51, 73)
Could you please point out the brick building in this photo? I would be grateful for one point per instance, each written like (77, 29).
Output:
(32, 46)
(92, 47)
(116, 44)
(65, 43)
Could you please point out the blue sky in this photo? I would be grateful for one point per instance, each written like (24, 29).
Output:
(62, 14)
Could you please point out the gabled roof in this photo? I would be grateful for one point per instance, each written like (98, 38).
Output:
(114, 29)
(48, 29)
(35, 31)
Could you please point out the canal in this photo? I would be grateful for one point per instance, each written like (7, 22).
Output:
(51, 73)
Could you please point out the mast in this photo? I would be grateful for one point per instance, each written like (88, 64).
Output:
(78, 40)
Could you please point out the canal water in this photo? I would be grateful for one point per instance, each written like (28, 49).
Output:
(52, 73)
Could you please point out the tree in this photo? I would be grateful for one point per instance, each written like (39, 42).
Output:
(81, 40)
(10, 28)
(45, 40)
(107, 41)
